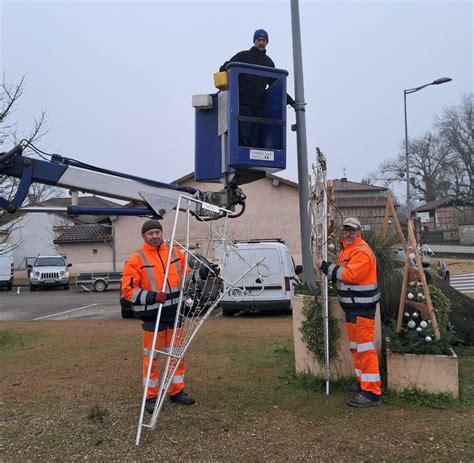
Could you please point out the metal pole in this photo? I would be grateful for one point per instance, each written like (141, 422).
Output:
(305, 224)
(114, 249)
(407, 159)
(325, 280)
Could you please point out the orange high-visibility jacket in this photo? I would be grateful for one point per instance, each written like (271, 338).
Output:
(144, 275)
(355, 276)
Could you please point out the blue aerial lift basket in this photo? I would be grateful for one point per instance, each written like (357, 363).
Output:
(218, 154)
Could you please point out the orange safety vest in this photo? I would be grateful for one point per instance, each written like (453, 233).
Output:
(356, 276)
(144, 275)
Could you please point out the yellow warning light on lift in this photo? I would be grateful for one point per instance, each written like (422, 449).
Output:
(221, 80)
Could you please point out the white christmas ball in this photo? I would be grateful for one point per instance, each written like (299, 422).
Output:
(414, 314)
(420, 283)
(423, 324)
(411, 324)
(420, 296)
(189, 302)
(331, 246)
(410, 296)
(406, 314)
(419, 330)
(412, 283)
(428, 338)
(429, 321)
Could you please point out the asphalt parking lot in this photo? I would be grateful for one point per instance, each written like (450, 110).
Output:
(77, 303)
(58, 304)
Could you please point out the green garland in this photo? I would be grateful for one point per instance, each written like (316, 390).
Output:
(312, 329)
(410, 341)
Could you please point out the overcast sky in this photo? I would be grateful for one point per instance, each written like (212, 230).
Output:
(116, 78)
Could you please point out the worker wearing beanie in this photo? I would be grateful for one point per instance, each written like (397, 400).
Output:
(252, 88)
(142, 284)
(355, 276)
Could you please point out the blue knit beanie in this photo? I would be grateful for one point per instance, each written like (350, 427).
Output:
(260, 33)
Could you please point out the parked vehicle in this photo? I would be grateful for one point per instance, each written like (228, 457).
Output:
(6, 266)
(99, 281)
(268, 286)
(425, 255)
(49, 271)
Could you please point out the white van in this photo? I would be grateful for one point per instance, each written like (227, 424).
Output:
(6, 266)
(268, 286)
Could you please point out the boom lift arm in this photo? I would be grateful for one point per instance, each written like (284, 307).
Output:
(148, 197)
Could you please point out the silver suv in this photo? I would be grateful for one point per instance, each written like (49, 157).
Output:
(49, 271)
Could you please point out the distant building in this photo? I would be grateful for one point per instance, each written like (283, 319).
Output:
(449, 219)
(366, 202)
(272, 211)
(35, 232)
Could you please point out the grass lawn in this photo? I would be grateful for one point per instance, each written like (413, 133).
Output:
(71, 391)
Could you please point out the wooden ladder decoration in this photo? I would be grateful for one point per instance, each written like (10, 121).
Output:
(410, 275)
(390, 210)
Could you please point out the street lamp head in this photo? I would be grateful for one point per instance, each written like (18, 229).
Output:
(442, 80)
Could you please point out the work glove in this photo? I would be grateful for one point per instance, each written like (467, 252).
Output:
(160, 297)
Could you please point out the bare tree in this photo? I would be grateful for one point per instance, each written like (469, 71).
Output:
(430, 168)
(456, 129)
(10, 135)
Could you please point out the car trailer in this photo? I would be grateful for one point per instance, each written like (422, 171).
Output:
(98, 280)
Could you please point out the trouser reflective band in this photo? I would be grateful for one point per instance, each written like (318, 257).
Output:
(163, 342)
(366, 363)
(351, 336)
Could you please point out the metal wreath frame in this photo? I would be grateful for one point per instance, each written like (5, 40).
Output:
(175, 353)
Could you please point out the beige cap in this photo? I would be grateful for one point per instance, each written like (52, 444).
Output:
(352, 222)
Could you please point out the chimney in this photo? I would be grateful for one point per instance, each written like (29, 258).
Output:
(74, 198)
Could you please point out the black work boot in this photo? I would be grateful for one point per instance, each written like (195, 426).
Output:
(362, 401)
(150, 404)
(182, 398)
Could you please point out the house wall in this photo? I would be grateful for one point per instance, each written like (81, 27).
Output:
(83, 258)
(447, 220)
(369, 216)
(33, 235)
(272, 212)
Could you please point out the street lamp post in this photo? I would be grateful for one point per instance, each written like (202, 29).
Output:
(442, 80)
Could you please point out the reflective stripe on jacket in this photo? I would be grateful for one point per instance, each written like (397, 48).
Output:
(143, 277)
(355, 276)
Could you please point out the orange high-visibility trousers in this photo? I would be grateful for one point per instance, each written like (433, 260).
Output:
(361, 334)
(163, 342)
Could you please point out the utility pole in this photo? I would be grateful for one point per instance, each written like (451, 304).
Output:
(303, 179)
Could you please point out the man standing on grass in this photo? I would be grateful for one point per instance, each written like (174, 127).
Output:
(355, 276)
(142, 283)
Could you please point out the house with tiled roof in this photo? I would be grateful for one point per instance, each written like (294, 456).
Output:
(447, 220)
(272, 211)
(36, 232)
(367, 202)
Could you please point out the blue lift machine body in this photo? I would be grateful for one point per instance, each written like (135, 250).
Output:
(217, 150)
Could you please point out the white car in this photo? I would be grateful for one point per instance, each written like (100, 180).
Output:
(49, 271)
